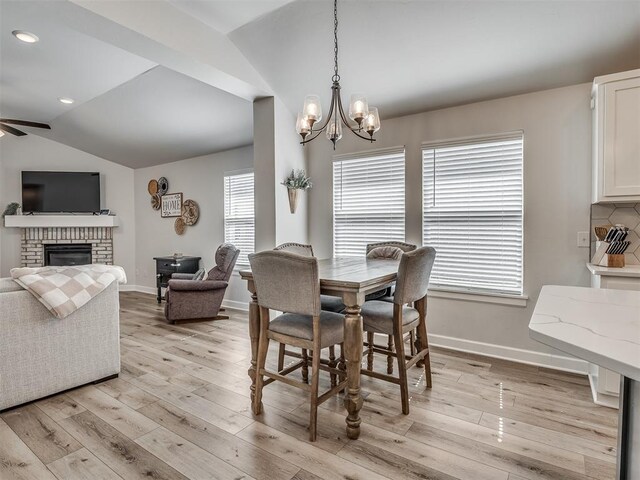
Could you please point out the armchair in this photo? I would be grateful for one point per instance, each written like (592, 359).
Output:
(189, 299)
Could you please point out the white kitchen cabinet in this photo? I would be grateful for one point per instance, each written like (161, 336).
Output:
(605, 384)
(616, 137)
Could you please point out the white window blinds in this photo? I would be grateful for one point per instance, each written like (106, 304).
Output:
(472, 194)
(239, 225)
(368, 200)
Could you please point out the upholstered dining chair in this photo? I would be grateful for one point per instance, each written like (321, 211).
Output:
(288, 282)
(391, 250)
(398, 318)
(327, 303)
(190, 299)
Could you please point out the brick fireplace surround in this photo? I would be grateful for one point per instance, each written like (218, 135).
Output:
(34, 239)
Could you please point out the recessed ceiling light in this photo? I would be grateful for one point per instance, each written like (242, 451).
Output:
(26, 37)
(66, 100)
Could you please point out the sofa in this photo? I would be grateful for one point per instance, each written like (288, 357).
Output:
(41, 355)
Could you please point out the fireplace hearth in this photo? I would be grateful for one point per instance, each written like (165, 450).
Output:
(65, 254)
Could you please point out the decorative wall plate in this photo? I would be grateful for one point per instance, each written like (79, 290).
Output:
(152, 187)
(155, 201)
(179, 226)
(190, 212)
(163, 185)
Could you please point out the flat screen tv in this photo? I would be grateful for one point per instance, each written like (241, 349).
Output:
(60, 192)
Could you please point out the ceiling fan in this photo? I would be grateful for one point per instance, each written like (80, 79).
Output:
(4, 127)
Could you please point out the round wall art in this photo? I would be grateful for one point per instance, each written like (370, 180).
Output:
(163, 185)
(152, 187)
(190, 212)
(155, 202)
(179, 226)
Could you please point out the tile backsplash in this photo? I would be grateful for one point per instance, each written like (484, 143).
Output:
(627, 214)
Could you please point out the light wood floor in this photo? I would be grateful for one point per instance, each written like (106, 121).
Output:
(180, 409)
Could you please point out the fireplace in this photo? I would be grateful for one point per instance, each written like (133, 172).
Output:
(59, 254)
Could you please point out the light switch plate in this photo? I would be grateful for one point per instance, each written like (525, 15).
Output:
(583, 239)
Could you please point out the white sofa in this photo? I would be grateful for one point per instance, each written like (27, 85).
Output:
(41, 355)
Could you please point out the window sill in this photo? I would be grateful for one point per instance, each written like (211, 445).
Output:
(496, 298)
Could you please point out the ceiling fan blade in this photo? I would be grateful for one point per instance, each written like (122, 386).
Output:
(11, 130)
(25, 123)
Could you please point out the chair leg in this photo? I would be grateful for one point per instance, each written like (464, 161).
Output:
(424, 344)
(315, 376)
(390, 355)
(402, 370)
(305, 366)
(370, 351)
(332, 364)
(418, 343)
(263, 348)
(412, 342)
(281, 357)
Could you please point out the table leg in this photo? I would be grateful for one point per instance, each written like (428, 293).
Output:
(254, 334)
(628, 465)
(353, 356)
(158, 283)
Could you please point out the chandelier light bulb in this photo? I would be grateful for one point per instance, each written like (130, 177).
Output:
(334, 132)
(302, 126)
(358, 108)
(372, 121)
(312, 109)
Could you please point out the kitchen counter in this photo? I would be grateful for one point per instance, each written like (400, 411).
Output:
(601, 326)
(628, 271)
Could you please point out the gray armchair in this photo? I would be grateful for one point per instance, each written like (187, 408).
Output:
(189, 299)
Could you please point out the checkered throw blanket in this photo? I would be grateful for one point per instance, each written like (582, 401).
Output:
(63, 290)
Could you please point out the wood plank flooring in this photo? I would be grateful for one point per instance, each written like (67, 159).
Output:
(180, 409)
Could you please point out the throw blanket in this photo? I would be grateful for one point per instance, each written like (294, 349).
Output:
(63, 290)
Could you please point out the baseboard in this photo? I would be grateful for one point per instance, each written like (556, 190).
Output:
(529, 357)
(242, 306)
(138, 288)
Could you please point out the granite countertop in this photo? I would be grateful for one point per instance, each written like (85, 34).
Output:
(601, 326)
(628, 271)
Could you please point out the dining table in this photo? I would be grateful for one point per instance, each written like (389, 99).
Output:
(350, 278)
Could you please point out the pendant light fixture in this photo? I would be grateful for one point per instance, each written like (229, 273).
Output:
(367, 121)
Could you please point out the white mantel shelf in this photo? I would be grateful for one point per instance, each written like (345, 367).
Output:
(50, 221)
(599, 325)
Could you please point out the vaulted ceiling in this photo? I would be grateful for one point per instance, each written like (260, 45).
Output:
(164, 80)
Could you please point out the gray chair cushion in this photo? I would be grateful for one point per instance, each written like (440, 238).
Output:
(199, 275)
(388, 252)
(378, 316)
(329, 303)
(9, 285)
(301, 326)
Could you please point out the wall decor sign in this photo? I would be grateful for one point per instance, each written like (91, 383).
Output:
(171, 205)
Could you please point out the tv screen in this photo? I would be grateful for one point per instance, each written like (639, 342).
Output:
(50, 192)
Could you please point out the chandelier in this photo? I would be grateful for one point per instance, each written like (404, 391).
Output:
(366, 118)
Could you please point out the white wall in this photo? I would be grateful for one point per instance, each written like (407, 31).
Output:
(36, 153)
(557, 160)
(199, 179)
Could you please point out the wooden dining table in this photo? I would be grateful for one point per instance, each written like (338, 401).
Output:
(350, 278)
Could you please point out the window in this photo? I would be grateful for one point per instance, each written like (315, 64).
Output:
(239, 224)
(472, 205)
(368, 200)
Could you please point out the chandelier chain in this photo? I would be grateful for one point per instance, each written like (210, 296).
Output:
(336, 77)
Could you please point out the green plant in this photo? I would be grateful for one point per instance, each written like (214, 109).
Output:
(11, 209)
(297, 180)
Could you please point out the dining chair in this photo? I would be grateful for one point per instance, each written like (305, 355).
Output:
(398, 318)
(391, 250)
(327, 303)
(288, 282)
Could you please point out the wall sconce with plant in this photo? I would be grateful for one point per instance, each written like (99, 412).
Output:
(295, 181)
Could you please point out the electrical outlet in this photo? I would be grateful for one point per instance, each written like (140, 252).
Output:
(583, 239)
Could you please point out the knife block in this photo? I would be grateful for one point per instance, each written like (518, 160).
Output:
(615, 261)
